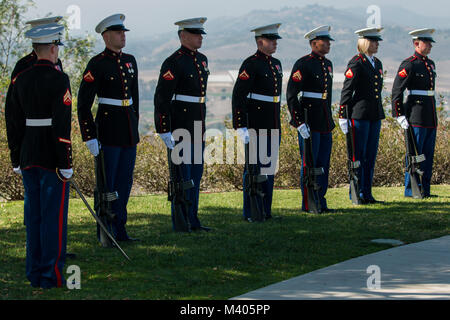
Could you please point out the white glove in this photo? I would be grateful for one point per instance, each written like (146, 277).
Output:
(168, 139)
(93, 147)
(17, 170)
(344, 124)
(66, 173)
(304, 131)
(403, 122)
(243, 134)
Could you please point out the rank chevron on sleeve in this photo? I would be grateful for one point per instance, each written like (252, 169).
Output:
(168, 76)
(244, 75)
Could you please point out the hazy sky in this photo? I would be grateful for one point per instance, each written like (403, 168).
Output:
(157, 16)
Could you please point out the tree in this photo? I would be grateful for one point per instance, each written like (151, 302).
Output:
(12, 40)
(14, 45)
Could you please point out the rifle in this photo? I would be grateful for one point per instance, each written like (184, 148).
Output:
(253, 187)
(413, 160)
(177, 195)
(310, 172)
(103, 200)
(99, 221)
(352, 165)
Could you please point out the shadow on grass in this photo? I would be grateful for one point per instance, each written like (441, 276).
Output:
(236, 257)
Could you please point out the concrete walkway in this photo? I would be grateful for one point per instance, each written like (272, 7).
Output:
(415, 271)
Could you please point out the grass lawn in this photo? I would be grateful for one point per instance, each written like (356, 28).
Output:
(235, 258)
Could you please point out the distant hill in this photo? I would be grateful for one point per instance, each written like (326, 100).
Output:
(229, 40)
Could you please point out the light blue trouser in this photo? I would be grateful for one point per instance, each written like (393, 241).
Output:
(45, 208)
(425, 143)
(366, 135)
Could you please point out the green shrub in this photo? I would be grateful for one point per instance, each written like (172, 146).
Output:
(151, 171)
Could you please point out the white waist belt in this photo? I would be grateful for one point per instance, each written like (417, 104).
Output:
(315, 95)
(262, 97)
(422, 93)
(116, 102)
(181, 97)
(38, 122)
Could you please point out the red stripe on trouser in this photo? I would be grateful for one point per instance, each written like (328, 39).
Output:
(354, 142)
(305, 189)
(60, 227)
(306, 198)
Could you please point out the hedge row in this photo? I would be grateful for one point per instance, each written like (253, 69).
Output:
(151, 172)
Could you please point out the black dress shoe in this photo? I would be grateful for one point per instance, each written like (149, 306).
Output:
(363, 201)
(201, 228)
(372, 201)
(273, 217)
(129, 239)
(248, 220)
(328, 210)
(71, 255)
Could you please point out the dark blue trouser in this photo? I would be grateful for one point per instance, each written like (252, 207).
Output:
(119, 167)
(45, 207)
(366, 135)
(321, 145)
(192, 171)
(425, 142)
(267, 186)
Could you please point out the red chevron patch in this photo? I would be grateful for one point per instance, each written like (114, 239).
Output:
(349, 74)
(297, 76)
(67, 98)
(403, 73)
(88, 77)
(244, 75)
(168, 75)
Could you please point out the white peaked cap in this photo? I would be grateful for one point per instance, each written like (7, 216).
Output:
(372, 33)
(46, 34)
(194, 25)
(114, 22)
(423, 34)
(42, 21)
(269, 31)
(319, 32)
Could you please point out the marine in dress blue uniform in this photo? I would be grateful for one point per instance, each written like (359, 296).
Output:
(179, 101)
(256, 106)
(417, 74)
(30, 59)
(310, 86)
(38, 129)
(361, 96)
(112, 76)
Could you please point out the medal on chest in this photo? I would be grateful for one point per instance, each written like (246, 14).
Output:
(129, 65)
(205, 66)
(279, 69)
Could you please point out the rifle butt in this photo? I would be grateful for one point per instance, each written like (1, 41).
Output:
(354, 191)
(416, 188)
(103, 238)
(313, 205)
(180, 223)
(257, 209)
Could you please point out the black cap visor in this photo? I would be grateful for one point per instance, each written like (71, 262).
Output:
(58, 43)
(375, 38)
(271, 36)
(194, 30)
(117, 27)
(323, 38)
(426, 39)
